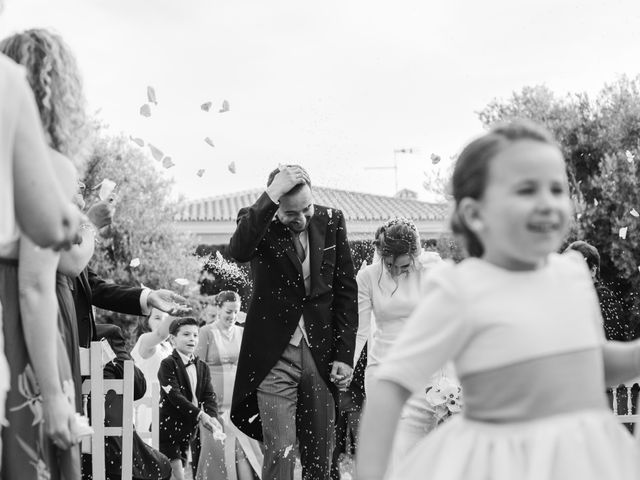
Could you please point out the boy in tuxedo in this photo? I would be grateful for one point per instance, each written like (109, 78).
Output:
(187, 398)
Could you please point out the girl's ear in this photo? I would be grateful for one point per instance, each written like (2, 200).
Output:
(470, 213)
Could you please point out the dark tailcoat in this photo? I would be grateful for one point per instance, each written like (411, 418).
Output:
(279, 299)
(90, 289)
(178, 414)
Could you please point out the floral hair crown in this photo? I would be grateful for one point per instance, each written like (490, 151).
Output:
(407, 239)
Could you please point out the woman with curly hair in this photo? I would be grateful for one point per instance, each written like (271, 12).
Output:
(44, 373)
(388, 291)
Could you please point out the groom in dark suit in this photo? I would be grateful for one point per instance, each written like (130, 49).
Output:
(298, 343)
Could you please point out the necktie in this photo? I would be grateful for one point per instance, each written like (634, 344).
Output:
(192, 361)
(297, 245)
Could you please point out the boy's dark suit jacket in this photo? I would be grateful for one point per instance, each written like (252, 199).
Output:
(178, 414)
(279, 299)
(90, 289)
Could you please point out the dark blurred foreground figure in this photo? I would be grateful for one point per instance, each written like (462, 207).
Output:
(148, 463)
(614, 323)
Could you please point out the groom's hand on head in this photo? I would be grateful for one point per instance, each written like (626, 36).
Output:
(287, 178)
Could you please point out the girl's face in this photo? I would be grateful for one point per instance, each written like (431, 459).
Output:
(399, 266)
(155, 318)
(228, 313)
(525, 210)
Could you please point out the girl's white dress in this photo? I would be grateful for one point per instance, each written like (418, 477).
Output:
(384, 306)
(527, 347)
(149, 367)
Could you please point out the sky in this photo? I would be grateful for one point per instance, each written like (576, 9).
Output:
(336, 86)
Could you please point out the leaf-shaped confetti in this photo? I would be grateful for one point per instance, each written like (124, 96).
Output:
(151, 95)
(156, 152)
(167, 388)
(208, 141)
(595, 202)
(634, 213)
(167, 162)
(106, 188)
(206, 106)
(629, 156)
(135, 262)
(200, 172)
(137, 141)
(232, 167)
(145, 110)
(252, 419)
(287, 450)
(435, 159)
(181, 281)
(622, 233)
(225, 107)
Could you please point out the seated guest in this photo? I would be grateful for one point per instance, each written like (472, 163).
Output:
(187, 399)
(148, 463)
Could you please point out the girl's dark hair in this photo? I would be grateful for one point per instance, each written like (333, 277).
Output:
(471, 170)
(397, 237)
(143, 325)
(226, 296)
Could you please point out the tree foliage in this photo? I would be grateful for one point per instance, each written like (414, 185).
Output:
(600, 140)
(142, 227)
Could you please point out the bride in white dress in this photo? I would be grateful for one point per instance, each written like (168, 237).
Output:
(388, 291)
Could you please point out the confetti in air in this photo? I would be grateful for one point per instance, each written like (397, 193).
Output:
(435, 159)
(200, 172)
(252, 419)
(232, 167)
(629, 156)
(151, 95)
(167, 162)
(145, 110)
(595, 202)
(206, 106)
(225, 107)
(106, 188)
(166, 388)
(182, 281)
(208, 141)
(634, 213)
(137, 141)
(134, 263)
(623, 232)
(156, 153)
(287, 450)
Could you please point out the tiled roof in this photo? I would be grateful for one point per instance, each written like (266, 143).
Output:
(354, 205)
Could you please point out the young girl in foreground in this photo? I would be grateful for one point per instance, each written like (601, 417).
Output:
(523, 328)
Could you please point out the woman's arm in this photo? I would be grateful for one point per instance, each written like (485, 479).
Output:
(149, 341)
(365, 306)
(39, 311)
(379, 421)
(621, 361)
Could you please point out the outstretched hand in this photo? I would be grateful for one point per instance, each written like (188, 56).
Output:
(169, 302)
